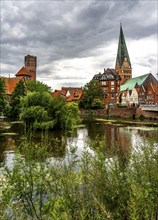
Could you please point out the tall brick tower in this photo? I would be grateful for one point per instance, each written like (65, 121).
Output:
(30, 65)
(123, 63)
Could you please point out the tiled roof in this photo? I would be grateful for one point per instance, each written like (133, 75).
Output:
(56, 93)
(23, 72)
(11, 84)
(131, 83)
(70, 94)
(109, 74)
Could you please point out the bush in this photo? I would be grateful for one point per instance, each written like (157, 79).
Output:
(94, 186)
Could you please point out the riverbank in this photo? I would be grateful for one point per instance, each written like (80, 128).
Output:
(121, 112)
(122, 122)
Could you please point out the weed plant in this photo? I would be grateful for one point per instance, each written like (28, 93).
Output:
(95, 186)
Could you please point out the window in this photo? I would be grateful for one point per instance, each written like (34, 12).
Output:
(112, 89)
(112, 83)
(104, 89)
(103, 83)
(112, 96)
(105, 96)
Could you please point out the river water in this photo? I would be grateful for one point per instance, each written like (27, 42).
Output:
(115, 133)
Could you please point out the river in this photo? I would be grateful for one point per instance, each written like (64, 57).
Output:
(120, 134)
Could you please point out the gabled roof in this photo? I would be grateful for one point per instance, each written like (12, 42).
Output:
(122, 51)
(69, 93)
(131, 83)
(109, 74)
(23, 72)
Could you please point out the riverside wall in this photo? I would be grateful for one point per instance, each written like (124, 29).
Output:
(132, 112)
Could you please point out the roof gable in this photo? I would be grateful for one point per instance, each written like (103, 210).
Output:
(131, 83)
(23, 72)
(69, 93)
(109, 74)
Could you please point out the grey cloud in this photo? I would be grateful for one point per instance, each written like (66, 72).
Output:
(66, 29)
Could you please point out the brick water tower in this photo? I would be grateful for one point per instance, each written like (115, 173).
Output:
(30, 65)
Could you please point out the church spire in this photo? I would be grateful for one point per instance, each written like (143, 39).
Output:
(123, 63)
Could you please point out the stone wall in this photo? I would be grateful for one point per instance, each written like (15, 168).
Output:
(119, 112)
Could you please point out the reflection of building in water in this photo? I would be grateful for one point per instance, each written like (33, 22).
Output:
(118, 137)
(7, 143)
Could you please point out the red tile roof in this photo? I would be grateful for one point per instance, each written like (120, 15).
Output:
(23, 72)
(70, 94)
(11, 84)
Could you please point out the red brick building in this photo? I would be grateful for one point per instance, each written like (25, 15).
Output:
(110, 82)
(27, 72)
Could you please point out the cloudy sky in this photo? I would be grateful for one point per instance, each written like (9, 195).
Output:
(73, 40)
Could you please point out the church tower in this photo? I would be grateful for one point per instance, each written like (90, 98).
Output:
(123, 63)
(30, 65)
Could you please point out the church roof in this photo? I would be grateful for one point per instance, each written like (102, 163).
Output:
(131, 83)
(122, 51)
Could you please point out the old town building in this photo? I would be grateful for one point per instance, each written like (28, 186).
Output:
(110, 82)
(27, 72)
(70, 94)
(140, 90)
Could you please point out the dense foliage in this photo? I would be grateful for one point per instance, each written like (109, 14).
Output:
(93, 186)
(2, 96)
(19, 91)
(40, 111)
(37, 86)
(92, 96)
(32, 102)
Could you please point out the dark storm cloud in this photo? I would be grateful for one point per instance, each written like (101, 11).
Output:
(58, 30)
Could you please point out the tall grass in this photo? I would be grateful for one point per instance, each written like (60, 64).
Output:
(93, 186)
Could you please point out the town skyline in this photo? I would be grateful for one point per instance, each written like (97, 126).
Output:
(76, 41)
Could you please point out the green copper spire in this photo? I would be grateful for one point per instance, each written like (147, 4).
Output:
(122, 51)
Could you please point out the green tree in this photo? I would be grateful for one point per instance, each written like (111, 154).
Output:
(36, 86)
(40, 110)
(70, 117)
(19, 91)
(35, 110)
(2, 96)
(92, 91)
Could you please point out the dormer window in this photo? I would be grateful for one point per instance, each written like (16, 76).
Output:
(68, 94)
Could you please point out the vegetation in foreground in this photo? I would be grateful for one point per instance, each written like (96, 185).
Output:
(93, 186)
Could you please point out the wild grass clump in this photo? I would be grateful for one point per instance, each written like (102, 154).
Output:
(93, 186)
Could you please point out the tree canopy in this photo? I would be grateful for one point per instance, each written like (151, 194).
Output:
(42, 111)
(19, 91)
(37, 86)
(2, 96)
(92, 95)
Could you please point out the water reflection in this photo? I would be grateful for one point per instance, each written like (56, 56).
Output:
(117, 139)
